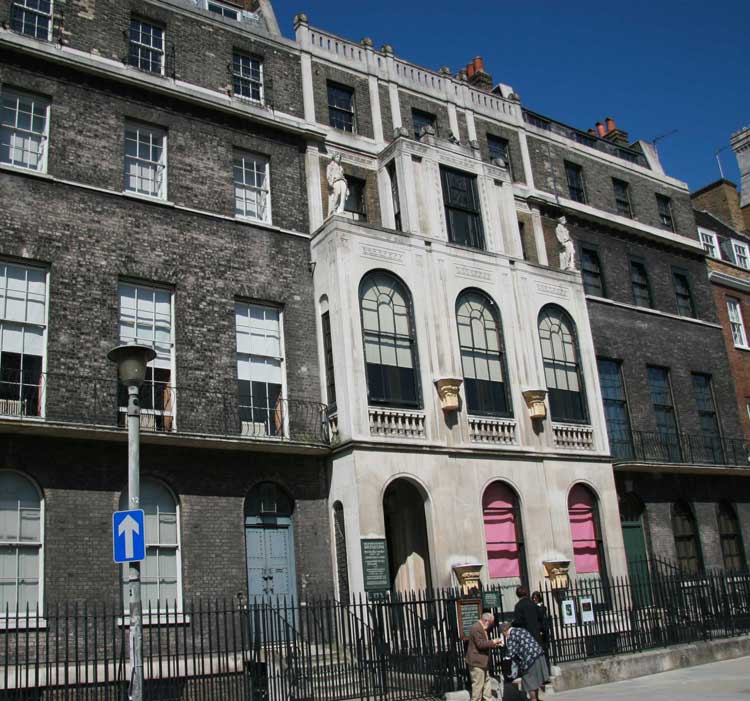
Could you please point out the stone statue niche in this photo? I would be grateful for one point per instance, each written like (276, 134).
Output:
(567, 250)
(338, 190)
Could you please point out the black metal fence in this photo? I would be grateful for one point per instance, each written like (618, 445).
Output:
(656, 607)
(679, 448)
(395, 647)
(68, 398)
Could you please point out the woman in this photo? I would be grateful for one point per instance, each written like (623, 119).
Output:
(543, 638)
(529, 656)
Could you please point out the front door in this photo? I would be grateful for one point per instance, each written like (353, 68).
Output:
(635, 552)
(270, 563)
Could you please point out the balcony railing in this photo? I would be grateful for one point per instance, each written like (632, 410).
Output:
(679, 448)
(67, 398)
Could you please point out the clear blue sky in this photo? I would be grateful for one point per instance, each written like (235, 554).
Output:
(654, 66)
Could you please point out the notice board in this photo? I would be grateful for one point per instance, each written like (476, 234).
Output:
(469, 611)
(375, 564)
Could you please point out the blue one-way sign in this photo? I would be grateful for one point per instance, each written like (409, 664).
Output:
(128, 536)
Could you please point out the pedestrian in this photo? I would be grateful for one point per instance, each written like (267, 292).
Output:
(526, 614)
(528, 654)
(478, 657)
(544, 622)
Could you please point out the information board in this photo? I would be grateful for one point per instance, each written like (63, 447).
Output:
(586, 604)
(492, 600)
(375, 564)
(469, 611)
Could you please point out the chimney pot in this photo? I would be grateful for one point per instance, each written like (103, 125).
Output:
(600, 129)
(478, 64)
(592, 132)
(610, 124)
(470, 69)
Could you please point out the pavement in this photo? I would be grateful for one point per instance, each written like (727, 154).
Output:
(719, 681)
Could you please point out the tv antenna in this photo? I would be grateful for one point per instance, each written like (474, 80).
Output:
(718, 160)
(656, 139)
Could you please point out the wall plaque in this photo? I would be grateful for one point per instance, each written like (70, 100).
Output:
(469, 611)
(375, 564)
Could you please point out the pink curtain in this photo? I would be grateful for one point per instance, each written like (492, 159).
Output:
(503, 553)
(583, 529)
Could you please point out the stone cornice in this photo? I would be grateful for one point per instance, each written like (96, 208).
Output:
(727, 280)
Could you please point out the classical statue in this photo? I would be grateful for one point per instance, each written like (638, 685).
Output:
(567, 252)
(338, 190)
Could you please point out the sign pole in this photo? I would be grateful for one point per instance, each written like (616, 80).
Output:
(134, 568)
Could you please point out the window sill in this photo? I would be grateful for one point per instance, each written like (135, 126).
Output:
(26, 171)
(170, 618)
(23, 623)
(148, 198)
(251, 220)
(742, 348)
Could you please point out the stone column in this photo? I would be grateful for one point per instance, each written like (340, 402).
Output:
(301, 30)
(314, 192)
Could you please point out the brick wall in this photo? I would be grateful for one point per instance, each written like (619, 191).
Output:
(410, 101)
(82, 482)
(723, 200)
(322, 75)
(514, 146)
(200, 143)
(739, 360)
(198, 46)
(548, 166)
(703, 493)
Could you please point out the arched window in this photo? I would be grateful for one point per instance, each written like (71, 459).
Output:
(268, 499)
(732, 550)
(389, 341)
(482, 355)
(687, 544)
(161, 573)
(503, 532)
(20, 544)
(562, 365)
(585, 531)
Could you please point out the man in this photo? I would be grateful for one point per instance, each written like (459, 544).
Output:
(478, 658)
(526, 614)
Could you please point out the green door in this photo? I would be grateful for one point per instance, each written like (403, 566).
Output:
(635, 552)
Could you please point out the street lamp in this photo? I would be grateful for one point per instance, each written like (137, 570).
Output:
(131, 369)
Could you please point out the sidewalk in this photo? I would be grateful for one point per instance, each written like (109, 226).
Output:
(719, 681)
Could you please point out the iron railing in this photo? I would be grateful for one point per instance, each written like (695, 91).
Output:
(655, 607)
(392, 646)
(67, 398)
(396, 647)
(679, 448)
(582, 137)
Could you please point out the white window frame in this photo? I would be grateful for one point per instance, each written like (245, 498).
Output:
(162, 615)
(736, 323)
(160, 51)
(14, 130)
(225, 6)
(242, 77)
(23, 7)
(710, 239)
(159, 167)
(151, 343)
(242, 157)
(741, 250)
(43, 326)
(34, 620)
(281, 358)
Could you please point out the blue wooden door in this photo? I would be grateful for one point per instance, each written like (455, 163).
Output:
(270, 562)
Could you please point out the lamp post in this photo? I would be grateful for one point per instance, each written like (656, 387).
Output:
(131, 369)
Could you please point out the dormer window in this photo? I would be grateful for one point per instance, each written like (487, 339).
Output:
(221, 8)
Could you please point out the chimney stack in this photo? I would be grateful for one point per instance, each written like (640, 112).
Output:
(615, 135)
(600, 130)
(478, 77)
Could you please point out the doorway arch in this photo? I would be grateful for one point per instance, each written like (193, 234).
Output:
(269, 543)
(404, 512)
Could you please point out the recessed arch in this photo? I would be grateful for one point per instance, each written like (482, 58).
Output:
(686, 538)
(503, 529)
(586, 531)
(730, 537)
